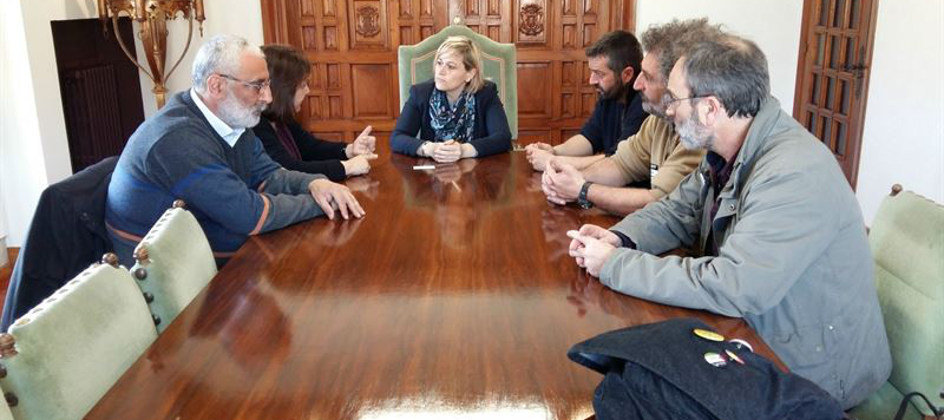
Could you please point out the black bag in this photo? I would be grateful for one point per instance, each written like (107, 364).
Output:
(659, 371)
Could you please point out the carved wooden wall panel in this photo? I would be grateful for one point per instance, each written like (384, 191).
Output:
(352, 45)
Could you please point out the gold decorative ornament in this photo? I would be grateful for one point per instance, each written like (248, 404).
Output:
(152, 16)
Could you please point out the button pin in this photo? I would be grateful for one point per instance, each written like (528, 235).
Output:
(715, 359)
(708, 335)
(734, 356)
(739, 343)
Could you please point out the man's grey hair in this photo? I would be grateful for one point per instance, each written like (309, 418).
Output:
(734, 70)
(220, 54)
(672, 40)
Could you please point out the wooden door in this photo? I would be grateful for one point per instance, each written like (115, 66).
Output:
(833, 75)
(352, 45)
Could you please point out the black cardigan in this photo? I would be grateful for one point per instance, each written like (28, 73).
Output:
(491, 134)
(318, 156)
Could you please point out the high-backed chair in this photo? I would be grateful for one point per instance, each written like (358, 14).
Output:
(907, 241)
(5, 413)
(63, 355)
(174, 263)
(499, 62)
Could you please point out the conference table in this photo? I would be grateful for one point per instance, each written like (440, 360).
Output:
(453, 298)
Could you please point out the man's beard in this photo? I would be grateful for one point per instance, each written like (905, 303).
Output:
(653, 108)
(617, 92)
(694, 135)
(237, 115)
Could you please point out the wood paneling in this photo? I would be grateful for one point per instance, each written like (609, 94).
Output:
(372, 98)
(6, 271)
(352, 45)
(534, 93)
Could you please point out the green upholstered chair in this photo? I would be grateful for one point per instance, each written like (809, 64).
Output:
(64, 354)
(5, 413)
(499, 64)
(907, 241)
(174, 263)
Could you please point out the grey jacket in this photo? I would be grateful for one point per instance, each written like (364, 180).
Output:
(793, 260)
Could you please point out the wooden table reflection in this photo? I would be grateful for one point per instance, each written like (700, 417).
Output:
(453, 298)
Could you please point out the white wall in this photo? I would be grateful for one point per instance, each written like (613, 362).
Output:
(773, 24)
(903, 139)
(237, 17)
(5, 108)
(34, 150)
(23, 164)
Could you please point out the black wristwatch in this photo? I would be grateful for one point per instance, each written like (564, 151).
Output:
(582, 200)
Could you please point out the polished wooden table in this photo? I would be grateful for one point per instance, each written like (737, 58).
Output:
(453, 298)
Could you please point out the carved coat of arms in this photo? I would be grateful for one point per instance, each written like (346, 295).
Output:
(368, 21)
(531, 18)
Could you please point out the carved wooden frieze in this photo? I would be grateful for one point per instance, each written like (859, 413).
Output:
(532, 21)
(367, 21)
(368, 25)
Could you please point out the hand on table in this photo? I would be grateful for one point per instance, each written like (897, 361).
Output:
(331, 196)
(561, 182)
(358, 165)
(591, 247)
(538, 155)
(446, 152)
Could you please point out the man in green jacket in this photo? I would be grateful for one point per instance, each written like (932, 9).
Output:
(782, 239)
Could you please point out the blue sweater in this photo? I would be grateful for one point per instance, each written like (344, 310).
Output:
(233, 191)
(490, 135)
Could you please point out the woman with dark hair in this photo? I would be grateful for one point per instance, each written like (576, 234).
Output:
(456, 115)
(284, 138)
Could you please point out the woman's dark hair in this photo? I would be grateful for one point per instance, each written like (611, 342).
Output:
(288, 67)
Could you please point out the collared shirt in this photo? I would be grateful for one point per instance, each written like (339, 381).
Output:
(229, 135)
(719, 172)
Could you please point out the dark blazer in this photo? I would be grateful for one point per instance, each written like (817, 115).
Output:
(318, 156)
(67, 234)
(491, 134)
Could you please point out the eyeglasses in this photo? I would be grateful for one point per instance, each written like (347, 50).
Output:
(670, 101)
(257, 86)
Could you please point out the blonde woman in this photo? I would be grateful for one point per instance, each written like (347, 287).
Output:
(457, 114)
